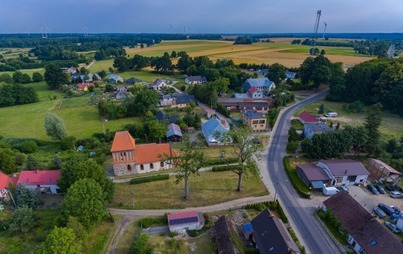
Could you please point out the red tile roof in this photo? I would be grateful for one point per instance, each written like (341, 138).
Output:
(123, 141)
(252, 90)
(148, 153)
(308, 118)
(183, 215)
(39, 177)
(4, 181)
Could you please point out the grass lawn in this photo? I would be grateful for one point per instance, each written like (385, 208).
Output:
(207, 189)
(101, 65)
(44, 93)
(391, 126)
(99, 238)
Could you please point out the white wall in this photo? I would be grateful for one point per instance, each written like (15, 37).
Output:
(53, 187)
(183, 227)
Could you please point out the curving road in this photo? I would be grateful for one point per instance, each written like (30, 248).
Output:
(300, 211)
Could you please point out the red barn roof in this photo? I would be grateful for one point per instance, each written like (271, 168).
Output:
(4, 181)
(39, 177)
(307, 118)
(123, 141)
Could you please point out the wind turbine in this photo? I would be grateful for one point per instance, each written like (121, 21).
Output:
(324, 31)
(44, 31)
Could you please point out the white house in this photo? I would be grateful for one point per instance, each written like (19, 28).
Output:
(253, 92)
(45, 180)
(181, 222)
(158, 84)
(263, 84)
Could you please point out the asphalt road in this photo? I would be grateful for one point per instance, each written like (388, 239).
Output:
(300, 211)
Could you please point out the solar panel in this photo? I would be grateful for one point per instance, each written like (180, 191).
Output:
(183, 220)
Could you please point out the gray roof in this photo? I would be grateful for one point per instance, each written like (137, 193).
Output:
(346, 167)
(271, 235)
(133, 80)
(318, 127)
(258, 82)
(359, 223)
(184, 99)
(196, 79)
(254, 115)
(313, 172)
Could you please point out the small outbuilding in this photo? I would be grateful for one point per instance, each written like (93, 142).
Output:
(181, 222)
(174, 133)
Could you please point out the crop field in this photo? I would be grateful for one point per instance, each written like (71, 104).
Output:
(281, 51)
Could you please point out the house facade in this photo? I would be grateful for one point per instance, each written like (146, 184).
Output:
(213, 129)
(255, 120)
(43, 180)
(340, 172)
(262, 84)
(129, 158)
(158, 84)
(365, 233)
(311, 129)
(379, 169)
(181, 222)
(253, 92)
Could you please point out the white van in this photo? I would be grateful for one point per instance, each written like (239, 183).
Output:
(331, 114)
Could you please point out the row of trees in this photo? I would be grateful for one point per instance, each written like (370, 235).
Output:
(16, 95)
(21, 78)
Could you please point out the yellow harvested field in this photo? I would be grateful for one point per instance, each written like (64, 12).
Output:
(280, 51)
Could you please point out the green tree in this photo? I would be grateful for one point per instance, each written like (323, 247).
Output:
(86, 201)
(55, 77)
(146, 100)
(84, 71)
(61, 240)
(20, 158)
(322, 74)
(188, 162)
(78, 229)
(6, 78)
(220, 85)
(121, 63)
(321, 108)
(37, 77)
(276, 73)
(26, 197)
(141, 245)
(18, 77)
(245, 149)
(7, 163)
(32, 163)
(373, 120)
(54, 126)
(359, 136)
(68, 143)
(22, 220)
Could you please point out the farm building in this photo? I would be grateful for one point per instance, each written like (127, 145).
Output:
(270, 235)
(257, 104)
(379, 169)
(174, 133)
(5, 182)
(45, 180)
(305, 117)
(332, 173)
(84, 86)
(263, 84)
(129, 158)
(181, 222)
(365, 234)
(213, 129)
(221, 232)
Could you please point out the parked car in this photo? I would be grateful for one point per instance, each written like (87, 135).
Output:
(387, 209)
(372, 189)
(393, 227)
(391, 187)
(379, 212)
(396, 194)
(380, 188)
(344, 188)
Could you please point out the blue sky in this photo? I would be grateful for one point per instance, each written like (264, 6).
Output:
(199, 16)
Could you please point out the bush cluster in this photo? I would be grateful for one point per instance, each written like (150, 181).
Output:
(225, 168)
(211, 162)
(147, 179)
(272, 205)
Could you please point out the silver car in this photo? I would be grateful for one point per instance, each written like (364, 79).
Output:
(379, 212)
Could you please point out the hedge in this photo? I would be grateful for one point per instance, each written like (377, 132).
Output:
(212, 162)
(272, 205)
(298, 184)
(225, 168)
(147, 179)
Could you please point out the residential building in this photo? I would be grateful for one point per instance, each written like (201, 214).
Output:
(311, 129)
(253, 92)
(209, 112)
(263, 84)
(271, 236)
(365, 233)
(84, 86)
(132, 81)
(44, 180)
(183, 221)
(4, 185)
(305, 117)
(241, 95)
(71, 70)
(182, 100)
(262, 72)
(114, 79)
(174, 133)
(221, 233)
(129, 158)
(161, 116)
(193, 80)
(237, 105)
(213, 129)
(332, 173)
(379, 169)
(158, 84)
(255, 120)
(290, 74)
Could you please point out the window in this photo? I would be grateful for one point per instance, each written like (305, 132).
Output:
(161, 164)
(151, 166)
(141, 167)
(129, 168)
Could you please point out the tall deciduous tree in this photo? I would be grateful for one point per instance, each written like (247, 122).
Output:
(55, 77)
(373, 120)
(276, 73)
(61, 240)
(86, 201)
(245, 149)
(26, 197)
(7, 163)
(54, 126)
(37, 77)
(188, 163)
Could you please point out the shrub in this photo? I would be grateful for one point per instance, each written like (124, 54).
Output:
(225, 168)
(147, 179)
(28, 147)
(211, 162)
(67, 143)
(298, 184)
(292, 146)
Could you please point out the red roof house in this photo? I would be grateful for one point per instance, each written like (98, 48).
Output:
(180, 222)
(305, 117)
(46, 180)
(4, 183)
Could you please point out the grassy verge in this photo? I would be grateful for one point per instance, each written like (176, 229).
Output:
(296, 240)
(298, 184)
(332, 228)
(100, 237)
(297, 124)
(206, 189)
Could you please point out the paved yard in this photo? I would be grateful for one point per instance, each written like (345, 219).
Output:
(369, 200)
